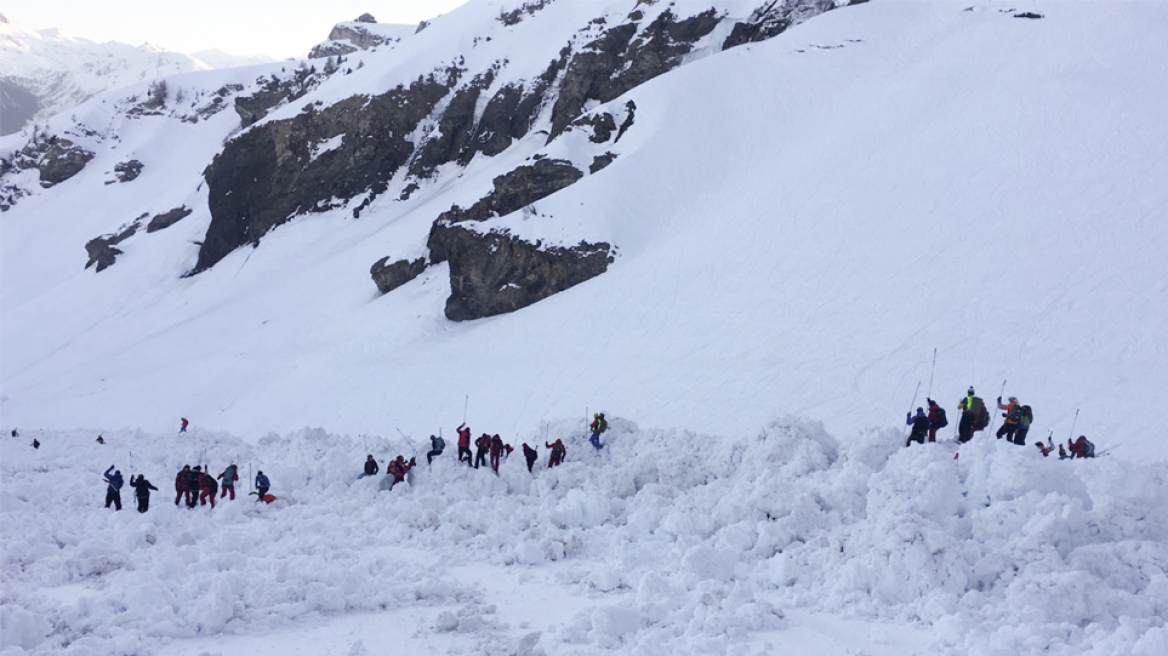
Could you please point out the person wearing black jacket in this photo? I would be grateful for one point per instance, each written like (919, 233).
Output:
(142, 489)
(483, 447)
(371, 466)
(531, 455)
(193, 476)
(113, 492)
(920, 427)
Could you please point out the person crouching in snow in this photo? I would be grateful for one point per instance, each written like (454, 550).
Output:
(142, 489)
(113, 491)
(1081, 448)
(208, 488)
(399, 468)
(262, 486)
(920, 427)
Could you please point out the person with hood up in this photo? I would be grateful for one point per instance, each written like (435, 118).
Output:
(937, 419)
(113, 491)
(558, 453)
(1081, 448)
(531, 455)
(142, 489)
(497, 447)
(181, 486)
(920, 427)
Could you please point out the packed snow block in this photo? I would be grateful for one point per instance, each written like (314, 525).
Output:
(496, 272)
(21, 629)
(389, 277)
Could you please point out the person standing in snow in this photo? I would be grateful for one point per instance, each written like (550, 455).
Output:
(208, 488)
(142, 489)
(482, 448)
(437, 446)
(185, 423)
(558, 453)
(35, 443)
(497, 447)
(229, 476)
(1011, 414)
(113, 491)
(1025, 418)
(920, 426)
(972, 410)
(262, 485)
(14, 433)
(180, 485)
(937, 419)
(193, 477)
(464, 445)
(599, 425)
(371, 466)
(531, 455)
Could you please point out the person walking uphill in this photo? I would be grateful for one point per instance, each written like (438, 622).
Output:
(142, 489)
(920, 426)
(974, 416)
(599, 425)
(113, 490)
(1025, 418)
(464, 445)
(937, 419)
(229, 476)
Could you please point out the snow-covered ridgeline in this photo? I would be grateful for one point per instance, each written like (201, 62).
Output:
(669, 542)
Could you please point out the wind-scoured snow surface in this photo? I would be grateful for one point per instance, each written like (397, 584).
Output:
(800, 223)
(663, 543)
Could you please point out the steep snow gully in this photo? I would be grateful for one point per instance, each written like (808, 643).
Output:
(662, 543)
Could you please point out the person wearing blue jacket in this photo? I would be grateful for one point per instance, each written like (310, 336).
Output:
(113, 492)
(262, 485)
(920, 427)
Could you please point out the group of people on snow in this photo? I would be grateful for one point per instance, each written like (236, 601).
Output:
(976, 417)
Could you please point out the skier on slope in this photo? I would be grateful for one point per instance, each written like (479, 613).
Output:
(1012, 410)
(181, 486)
(598, 426)
(113, 490)
(229, 476)
(482, 448)
(530, 454)
(920, 426)
(464, 444)
(558, 453)
(142, 489)
(437, 446)
(937, 419)
(972, 416)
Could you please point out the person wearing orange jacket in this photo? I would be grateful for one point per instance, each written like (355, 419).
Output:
(1012, 410)
(464, 445)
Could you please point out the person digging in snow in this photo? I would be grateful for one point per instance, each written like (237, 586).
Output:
(399, 468)
(1081, 448)
(558, 453)
(531, 455)
(142, 489)
(113, 491)
(262, 486)
(482, 448)
(193, 476)
(497, 448)
(973, 416)
(437, 446)
(208, 488)
(464, 445)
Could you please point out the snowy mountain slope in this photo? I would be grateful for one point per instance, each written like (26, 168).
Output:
(61, 71)
(799, 223)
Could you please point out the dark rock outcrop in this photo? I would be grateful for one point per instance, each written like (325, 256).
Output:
(274, 92)
(389, 277)
(773, 19)
(167, 219)
(102, 251)
(617, 62)
(126, 171)
(496, 272)
(601, 161)
(517, 189)
(271, 173)
(62, 160)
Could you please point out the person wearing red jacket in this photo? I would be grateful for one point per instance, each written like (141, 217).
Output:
(482, 447)
(399, 468)
(208, 488)
(181, 487)
(558, 453)
(497, 448)
(1081, 448)
(464, 444)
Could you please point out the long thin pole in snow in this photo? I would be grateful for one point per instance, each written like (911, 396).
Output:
(994, 416)
(931, 371)
(465, 404)
(1072, 435)
(407, 440)
(914, 402)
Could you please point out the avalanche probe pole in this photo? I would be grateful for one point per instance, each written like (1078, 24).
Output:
(914, 402)
(931, 371)
(994, 416)
(464, 406)
(1072, 435)
(407, 440)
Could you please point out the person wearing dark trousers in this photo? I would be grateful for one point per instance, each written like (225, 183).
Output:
(437, 446)
(483, 446)
(262, 485)
(464, 445)
(142, 489)
(920, 427)
(531, 455)
(113, 491)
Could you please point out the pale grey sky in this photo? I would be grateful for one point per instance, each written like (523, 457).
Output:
(281, 29)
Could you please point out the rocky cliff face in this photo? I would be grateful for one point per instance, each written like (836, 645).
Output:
(363, 33)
